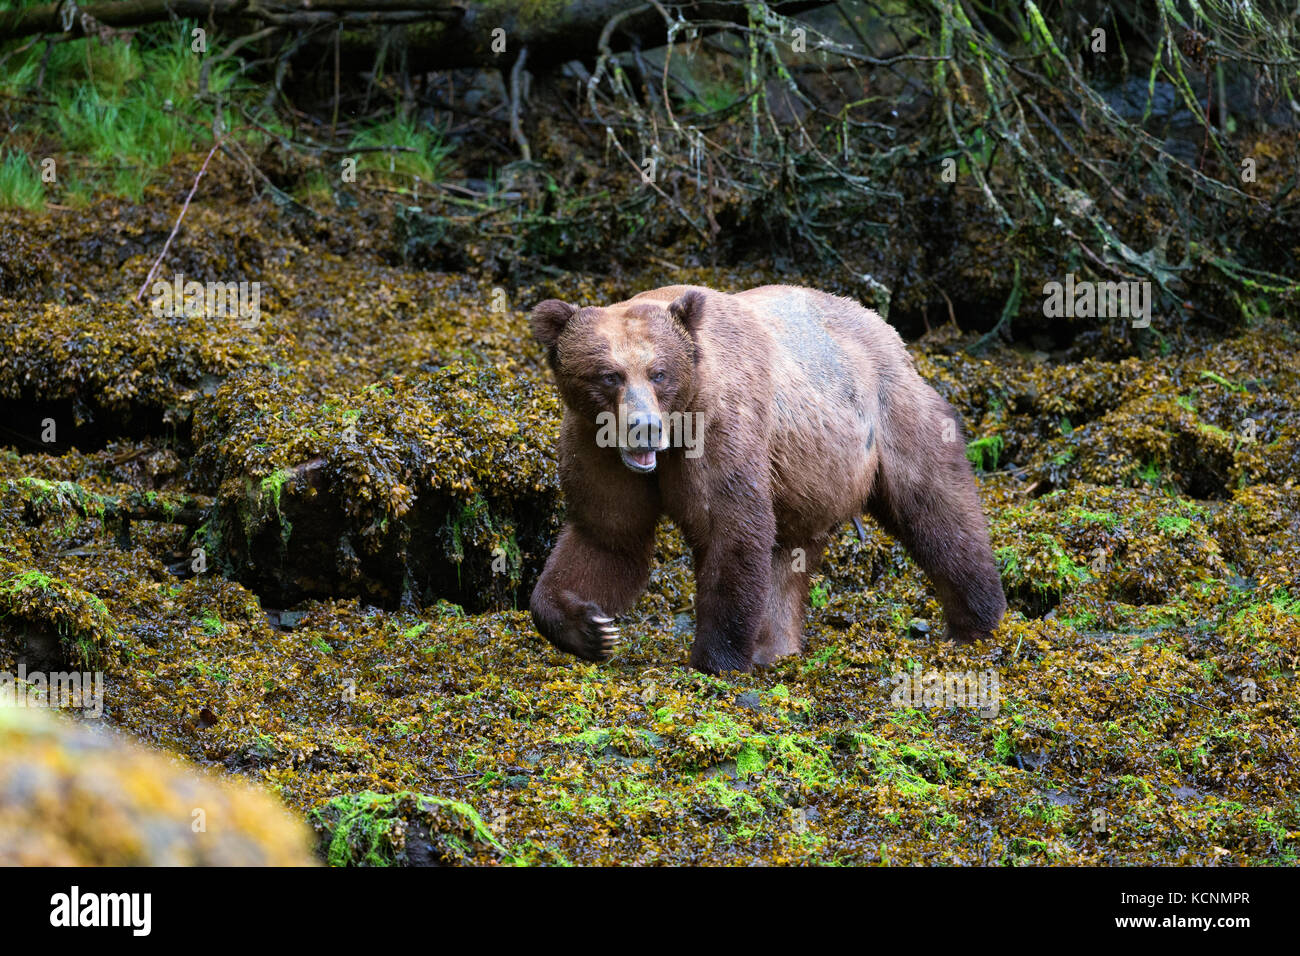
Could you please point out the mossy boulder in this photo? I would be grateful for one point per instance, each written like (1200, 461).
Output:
(1214, 418)
(106, 369)
(437, 487)
(402, 829)
(1098, 545)
(72, 795)
(49, 623)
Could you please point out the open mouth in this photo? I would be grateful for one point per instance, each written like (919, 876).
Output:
(642, 461)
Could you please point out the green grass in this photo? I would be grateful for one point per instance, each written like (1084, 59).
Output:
(20, 184)
(129, 138)
(426, 158)
(121, 113)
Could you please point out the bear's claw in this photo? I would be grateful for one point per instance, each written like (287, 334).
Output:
(596, 637)
(609, 635)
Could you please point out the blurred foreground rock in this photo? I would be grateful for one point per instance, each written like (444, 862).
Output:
(73, 795)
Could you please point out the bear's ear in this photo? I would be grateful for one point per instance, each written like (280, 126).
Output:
(548, 320)
(688, 310)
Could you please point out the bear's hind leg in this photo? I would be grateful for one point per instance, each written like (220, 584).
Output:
(782, 632)
(787, 602)
(925, 496)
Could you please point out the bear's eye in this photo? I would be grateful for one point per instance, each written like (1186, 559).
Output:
(611, 379)
(658, 377)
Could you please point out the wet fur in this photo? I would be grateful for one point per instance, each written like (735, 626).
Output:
(812, 413)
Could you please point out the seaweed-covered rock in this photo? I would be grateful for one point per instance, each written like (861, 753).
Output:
(1260, 535)
(110, 364)
(411, 489)
(34, 501)
(24, 265)
(1271, 458)
(402, 829)
(1101, 544)
(1144, 676)
(1156, 441)
(1217, 417)
(50, 623)
(75, 796)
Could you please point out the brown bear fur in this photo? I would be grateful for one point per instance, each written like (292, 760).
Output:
(811, 412)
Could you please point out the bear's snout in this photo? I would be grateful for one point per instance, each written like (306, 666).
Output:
(645, 434)
(645, 430)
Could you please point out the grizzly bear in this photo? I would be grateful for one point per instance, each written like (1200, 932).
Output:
(759, 422)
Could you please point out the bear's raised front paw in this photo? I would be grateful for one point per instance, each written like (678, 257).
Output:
(590, 633)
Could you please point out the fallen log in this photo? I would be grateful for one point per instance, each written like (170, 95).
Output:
(435, 34)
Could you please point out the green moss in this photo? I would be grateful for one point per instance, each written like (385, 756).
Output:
(1045, 811)
(371, 829)
(1216, 377)
(1107, 519)
(984, 452)
(1009, 562)
(273, 486)
(803, 759)
(1082, 620)
(415, 630)
(1175, 526)
(749, 760)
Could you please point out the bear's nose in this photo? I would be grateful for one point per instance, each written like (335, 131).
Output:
(644, 430)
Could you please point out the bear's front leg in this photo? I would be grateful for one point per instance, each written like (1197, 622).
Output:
(584, 584)
(732, 580)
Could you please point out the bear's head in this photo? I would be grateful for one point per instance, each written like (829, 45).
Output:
(629, 370)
